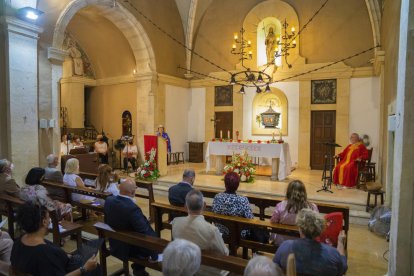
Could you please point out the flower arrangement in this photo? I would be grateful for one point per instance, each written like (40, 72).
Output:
(242, 165)
(148, 170)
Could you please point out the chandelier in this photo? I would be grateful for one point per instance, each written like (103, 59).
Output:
(285, 43)
(248, 77)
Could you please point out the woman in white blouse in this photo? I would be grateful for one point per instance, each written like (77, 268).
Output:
(71, 178)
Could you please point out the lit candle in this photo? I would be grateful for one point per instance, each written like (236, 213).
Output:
(293, 29)
(228, 134)
(249, 42)
(278, 39)
(221, 134)
(235, 37)
(234, 46)
(294, 42)
(250, 53)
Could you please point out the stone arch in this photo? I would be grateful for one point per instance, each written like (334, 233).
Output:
(258, 106)
(276, 9)
(125, 21)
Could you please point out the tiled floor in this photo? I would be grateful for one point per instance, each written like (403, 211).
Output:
(365, 249)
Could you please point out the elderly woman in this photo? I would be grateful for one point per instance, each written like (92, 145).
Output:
(181, 258)
(286, 211)
(231, 204)
(313, 257)
(33, 255)
(71, 178)
(7, 183)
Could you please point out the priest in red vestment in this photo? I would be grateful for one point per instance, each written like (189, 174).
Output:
(346, 171)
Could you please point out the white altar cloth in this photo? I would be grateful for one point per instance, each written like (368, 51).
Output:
(274, 151)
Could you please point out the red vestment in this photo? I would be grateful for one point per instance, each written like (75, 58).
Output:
(346, 172)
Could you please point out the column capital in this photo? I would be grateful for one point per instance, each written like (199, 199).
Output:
(56, 56)
(378, 61)
(21, 27)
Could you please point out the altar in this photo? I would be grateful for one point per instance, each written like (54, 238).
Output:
(279, 153)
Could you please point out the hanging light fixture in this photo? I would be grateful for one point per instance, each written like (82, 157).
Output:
(285, 43)
(247, 77)
(242, 90)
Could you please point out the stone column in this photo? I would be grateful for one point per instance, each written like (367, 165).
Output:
(56, 58)
(21, 94)
(401, 260)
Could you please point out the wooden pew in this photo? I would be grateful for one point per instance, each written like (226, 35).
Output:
(70, 227)
(263, 202)
(234, 224)
(229, 263)
(68, 191)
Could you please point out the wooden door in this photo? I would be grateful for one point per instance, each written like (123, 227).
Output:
(322, 131)
(224, 122)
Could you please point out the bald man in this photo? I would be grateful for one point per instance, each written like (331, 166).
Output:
(121, 213)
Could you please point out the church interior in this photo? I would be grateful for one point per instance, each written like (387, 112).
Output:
(285, 84)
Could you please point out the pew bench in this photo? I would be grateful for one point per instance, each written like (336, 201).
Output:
(70, 228)
(232, 264)
(234, 224)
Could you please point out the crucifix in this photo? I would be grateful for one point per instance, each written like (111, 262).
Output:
(215, 124)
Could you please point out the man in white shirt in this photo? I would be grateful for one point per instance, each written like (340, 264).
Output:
(101, 148)
(196, 229)
(65, 146)
(130, 153)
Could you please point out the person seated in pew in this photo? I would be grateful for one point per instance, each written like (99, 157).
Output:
(32, 254)
(196, 229)
(178, 192)
(122, 213)
(7, 183)
(51, 171)
(65, 145)
(101, 148)
(231, 204)
(346, 171)
(71, 178)
(77, 143)
(313, 257)
(107, 181)
(285, 211)
(181, 258)
(262, 266)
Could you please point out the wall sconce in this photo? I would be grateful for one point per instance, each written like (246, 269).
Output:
(29, 13)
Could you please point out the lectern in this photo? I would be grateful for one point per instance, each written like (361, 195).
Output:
(160, 144)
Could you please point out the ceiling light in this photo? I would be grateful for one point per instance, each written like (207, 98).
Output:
(29, 13)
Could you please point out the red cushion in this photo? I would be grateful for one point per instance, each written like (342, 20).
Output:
(334, 223)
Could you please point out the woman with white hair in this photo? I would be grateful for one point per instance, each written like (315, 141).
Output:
(313, 257)
(181, 258)
(262, 266)
(7, 183)
(71, 178)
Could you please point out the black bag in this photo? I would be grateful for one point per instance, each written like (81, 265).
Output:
(258, 234)
(35, 176)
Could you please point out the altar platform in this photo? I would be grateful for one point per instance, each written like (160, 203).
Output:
(355, 199)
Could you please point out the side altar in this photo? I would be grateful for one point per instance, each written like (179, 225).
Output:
(279, 153)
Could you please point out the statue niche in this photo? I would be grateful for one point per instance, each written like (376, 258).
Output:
(270, 113)
(126, 123)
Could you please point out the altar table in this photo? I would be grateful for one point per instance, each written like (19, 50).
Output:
(281, 162)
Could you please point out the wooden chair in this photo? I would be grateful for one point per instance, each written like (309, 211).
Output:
(291, 265)
(377, 193)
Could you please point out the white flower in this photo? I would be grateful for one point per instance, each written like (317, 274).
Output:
(243, 178)
(151, 173)
(236, 171)
(143, 172)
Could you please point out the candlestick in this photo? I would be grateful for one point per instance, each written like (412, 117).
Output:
(228, 134)
(221, 134)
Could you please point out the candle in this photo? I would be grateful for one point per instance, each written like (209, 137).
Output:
(293, 29)
(221, 134)
(228, 134)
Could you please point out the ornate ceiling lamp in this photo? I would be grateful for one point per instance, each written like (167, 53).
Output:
(285, 43)
(248, 77)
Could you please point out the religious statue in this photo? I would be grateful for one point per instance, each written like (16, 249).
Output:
(76, 56)
(126, 124)
(270, 46)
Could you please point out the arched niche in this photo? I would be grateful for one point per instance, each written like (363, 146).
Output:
(271, 9)
(261, 103)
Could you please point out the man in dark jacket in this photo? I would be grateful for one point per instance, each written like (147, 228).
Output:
(177, 193)
(122, 213)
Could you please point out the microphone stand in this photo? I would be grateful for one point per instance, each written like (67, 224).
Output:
(328, 167)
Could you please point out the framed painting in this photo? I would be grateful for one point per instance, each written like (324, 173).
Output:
(223, 95)
(323, 92)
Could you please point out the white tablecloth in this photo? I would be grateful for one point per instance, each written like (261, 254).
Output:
(280, 151)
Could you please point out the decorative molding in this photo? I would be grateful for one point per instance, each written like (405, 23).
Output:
(110, 81)
(374, 11)
(21, 27)
(56, 56)
(167, 79)
(379, 60)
